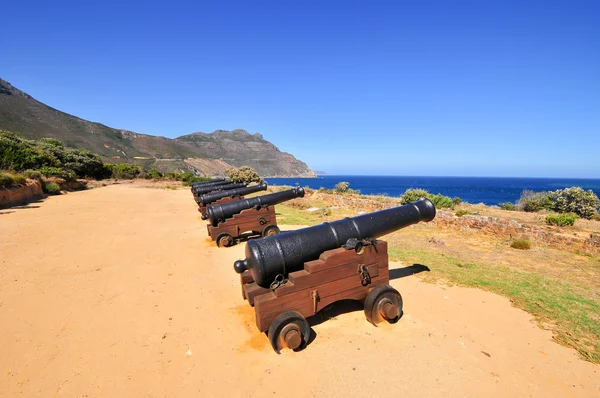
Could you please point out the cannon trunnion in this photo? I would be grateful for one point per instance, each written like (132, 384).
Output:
(294, 275)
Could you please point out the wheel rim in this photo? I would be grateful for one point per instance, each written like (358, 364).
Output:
(224, 241)
(289, 330)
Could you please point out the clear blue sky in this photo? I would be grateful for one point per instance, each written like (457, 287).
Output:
(477, 88)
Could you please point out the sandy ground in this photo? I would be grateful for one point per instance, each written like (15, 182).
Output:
(118, 292)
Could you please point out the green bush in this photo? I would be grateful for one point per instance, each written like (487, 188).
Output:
(440, 201)
(243, 174)
(561, 220)
(535, 201)
(344, 187)
(521, 244)
(51, 188)
(57, 172)
(507, 206)
(125, 171)
(153, 174)
(33, 174)
(6, 180)
(575, 200)
(20, 154)
(456, 200)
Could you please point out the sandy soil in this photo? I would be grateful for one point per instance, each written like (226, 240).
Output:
(118, 292)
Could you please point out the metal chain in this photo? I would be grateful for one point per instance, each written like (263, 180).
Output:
(279, 280)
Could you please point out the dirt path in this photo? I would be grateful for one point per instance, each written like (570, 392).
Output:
(118, 292)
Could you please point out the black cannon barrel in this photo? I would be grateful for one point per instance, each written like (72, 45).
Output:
(212, 181)
(218, 213)
(205, 189)
(287, 252)
(199, 185)
(211, 197)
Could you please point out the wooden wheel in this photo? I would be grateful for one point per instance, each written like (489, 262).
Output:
(224, 240)
(383, 303)
(270, 231)
(289, 330)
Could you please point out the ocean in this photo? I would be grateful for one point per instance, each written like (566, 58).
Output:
(488, 190)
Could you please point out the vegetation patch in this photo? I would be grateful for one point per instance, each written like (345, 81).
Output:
(8, 180)
(561, 220)
(507, 206)
(243, 174)
(440, 201)
(569, 200)
(521, 244)
(463, 212)
(51, 188)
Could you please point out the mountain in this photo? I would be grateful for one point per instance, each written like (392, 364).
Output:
(207, 154)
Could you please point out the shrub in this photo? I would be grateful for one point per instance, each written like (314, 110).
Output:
(344, 187)
(18, 154)
(507, 206)
(153, 174)
(462, 212)
(6, 180)
(535, 201)
(33, 174)
(309, 190)
(596, 217)
(456, 200)
(521, 244)
(561, 220)
(243, 174)
(575, 200)
(51, 188)
(125, 171)
(325, 190)
(57, 172)
(440, 201)
(341, 187)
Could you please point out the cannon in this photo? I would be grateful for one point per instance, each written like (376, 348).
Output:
(212, 181)
(229, 221)
(218, 187)
(226, 195)
(294, 275)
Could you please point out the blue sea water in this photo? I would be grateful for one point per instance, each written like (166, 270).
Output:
(488, 190)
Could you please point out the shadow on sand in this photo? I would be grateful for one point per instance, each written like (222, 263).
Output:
(28, 205)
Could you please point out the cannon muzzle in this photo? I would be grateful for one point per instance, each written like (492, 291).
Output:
(208, 198)
(218, 187)
(220, 213)
(287, 252)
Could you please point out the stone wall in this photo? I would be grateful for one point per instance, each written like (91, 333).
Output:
(22, 194)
